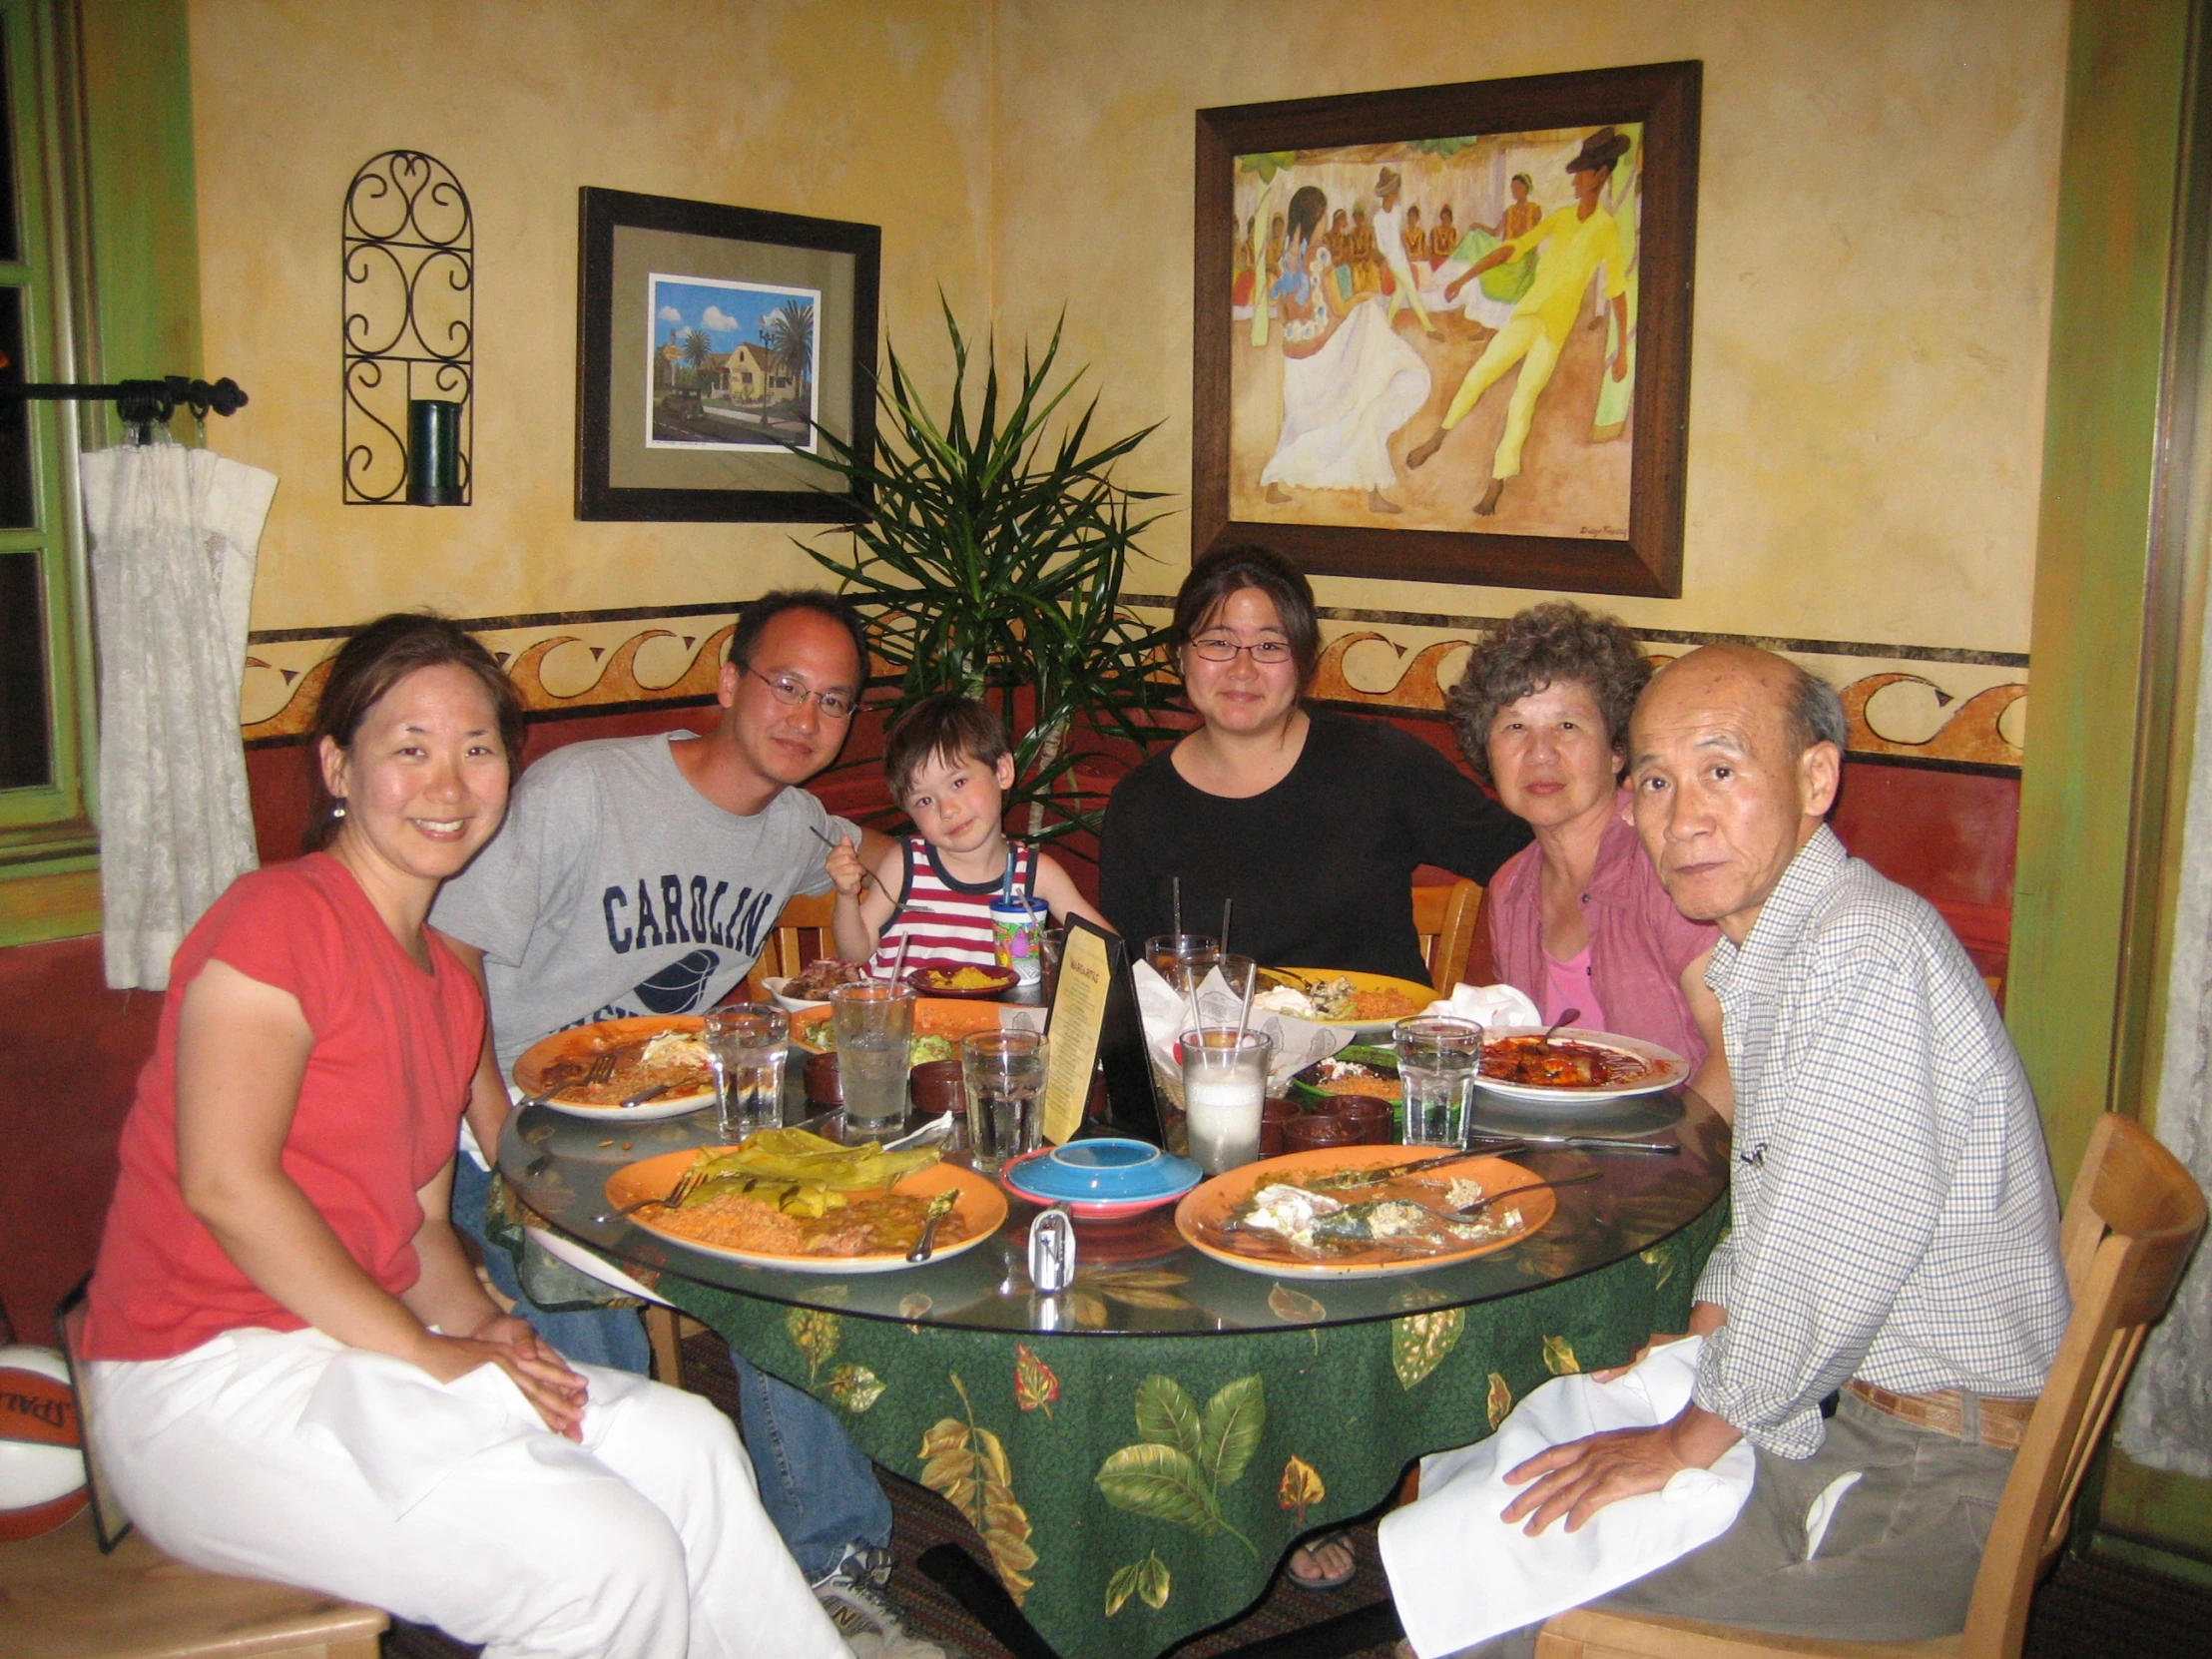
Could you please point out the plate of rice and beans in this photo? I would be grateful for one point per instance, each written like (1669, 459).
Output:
(790, 1200)
(647, 1051)
(1346, 1001)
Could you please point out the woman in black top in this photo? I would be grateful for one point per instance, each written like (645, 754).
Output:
(1313, 822)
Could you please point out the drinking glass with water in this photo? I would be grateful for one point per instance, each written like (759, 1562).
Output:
(745, 1045)
(875, 1024)
(1004, 1072)
(1438, 1061)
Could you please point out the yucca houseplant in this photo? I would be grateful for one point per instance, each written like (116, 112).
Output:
(988, 558)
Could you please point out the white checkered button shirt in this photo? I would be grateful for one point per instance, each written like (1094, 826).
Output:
(1895, 1217)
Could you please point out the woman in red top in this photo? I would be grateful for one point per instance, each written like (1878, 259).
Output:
(295, 1374)
(1578, 919)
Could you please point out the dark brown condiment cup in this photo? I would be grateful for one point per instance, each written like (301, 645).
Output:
(1274, 1112)
(1371, 1115)
(824, 1086)
(1314, 1130)
(937, 1087)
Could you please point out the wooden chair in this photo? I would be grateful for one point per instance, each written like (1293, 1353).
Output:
(62, 1597)
(801, 935)
(2134, 1217)
(1443, 917)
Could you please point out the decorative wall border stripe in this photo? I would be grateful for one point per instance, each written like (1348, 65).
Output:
(1931, 706)
(1669, 636)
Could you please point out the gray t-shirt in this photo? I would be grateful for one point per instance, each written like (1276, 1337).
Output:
(615, 887)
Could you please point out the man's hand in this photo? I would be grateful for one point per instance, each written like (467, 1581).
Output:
(1581, 1478)
(847, 871)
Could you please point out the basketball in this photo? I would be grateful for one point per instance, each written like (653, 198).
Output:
(42, 1471)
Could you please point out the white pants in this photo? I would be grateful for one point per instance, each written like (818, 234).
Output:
(291, 1457)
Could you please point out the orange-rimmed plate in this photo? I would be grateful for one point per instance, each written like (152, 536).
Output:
(583, 1042)
(1203, 1215)
(982, 1208)
(934, 1017)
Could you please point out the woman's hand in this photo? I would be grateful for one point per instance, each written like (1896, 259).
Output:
(547, 1381)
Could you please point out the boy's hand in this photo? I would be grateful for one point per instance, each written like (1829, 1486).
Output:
(846, 870)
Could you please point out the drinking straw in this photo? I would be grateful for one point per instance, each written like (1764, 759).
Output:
(1243, 1014)
(1178, 906)
(1006, 883)
(1224, 948)
(898, 968)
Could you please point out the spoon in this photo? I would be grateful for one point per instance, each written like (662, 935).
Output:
(1567, 1018)
(939, 1208)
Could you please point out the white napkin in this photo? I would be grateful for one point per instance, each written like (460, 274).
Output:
(1167, 1015)
(1488, 1006)
(1459, 1575)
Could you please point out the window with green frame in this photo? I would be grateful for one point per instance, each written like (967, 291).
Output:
(49, 880)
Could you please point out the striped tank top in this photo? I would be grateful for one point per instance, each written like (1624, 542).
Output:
(948, 920)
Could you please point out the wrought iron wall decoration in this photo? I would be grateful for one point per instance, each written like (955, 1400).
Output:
(409, 332)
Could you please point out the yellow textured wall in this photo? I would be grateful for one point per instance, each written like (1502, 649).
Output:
(841, 108)
(1878, 206)
(1876, 236)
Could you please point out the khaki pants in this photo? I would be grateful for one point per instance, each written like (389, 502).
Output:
(1898, 1562)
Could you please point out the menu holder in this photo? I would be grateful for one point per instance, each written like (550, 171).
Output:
(1094, 1025)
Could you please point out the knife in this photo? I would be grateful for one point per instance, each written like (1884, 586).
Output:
(1598, 1143)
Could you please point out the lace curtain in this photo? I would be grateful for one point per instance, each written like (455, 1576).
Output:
(2166, 1421)
(174, 533)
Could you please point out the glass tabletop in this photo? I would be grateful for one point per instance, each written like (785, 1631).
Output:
(559, 1165)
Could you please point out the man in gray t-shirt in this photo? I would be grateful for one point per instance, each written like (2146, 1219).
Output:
(615, 887)
(639, 875)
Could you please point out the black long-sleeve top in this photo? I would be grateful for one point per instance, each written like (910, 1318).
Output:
(1320, 866)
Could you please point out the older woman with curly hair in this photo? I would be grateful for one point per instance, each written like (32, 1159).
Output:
(1578, 919)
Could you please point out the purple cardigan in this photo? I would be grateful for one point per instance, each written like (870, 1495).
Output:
(1639, 942)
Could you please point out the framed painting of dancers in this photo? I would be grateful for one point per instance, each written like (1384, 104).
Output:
(1443, 333)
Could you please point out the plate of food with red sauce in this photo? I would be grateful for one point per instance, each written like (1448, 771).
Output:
(1573, 1067)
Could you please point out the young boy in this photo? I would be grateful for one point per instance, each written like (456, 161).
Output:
(949, 765)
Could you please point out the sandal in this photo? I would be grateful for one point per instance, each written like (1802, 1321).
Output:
(1310, 1553)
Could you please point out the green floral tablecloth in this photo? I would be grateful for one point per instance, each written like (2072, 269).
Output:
(1131, 1489)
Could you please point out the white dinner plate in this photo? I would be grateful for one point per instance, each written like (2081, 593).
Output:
(1667, 1069)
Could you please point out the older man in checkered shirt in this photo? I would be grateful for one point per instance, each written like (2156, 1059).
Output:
(1894, 1249)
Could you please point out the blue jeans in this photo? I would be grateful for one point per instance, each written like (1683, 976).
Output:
(817, 1485)
(817, 1488)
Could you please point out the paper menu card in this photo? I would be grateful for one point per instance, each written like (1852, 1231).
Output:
(1078, 1017)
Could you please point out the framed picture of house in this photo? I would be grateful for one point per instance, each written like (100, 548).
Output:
(1443, 333)
(718, 350)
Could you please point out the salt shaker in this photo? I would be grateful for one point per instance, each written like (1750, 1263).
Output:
(1052, 1251)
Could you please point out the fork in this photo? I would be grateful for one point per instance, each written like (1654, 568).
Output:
(864, 871)
(602, 1070)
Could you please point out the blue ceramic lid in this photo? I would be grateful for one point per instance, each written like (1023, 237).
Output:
(1108, 1168)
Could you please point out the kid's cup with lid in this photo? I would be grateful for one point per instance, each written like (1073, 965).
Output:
(1017, 929)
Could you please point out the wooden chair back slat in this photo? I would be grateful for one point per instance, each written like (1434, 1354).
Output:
(801, 935)
(2133, 1219)
(1443, 917)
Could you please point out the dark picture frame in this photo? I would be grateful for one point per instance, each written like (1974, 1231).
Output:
(1663, 102)
(690, 446)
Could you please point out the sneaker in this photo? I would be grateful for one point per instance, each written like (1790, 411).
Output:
(869, 1624)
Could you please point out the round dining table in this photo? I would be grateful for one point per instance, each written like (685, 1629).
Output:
(1137, 1451)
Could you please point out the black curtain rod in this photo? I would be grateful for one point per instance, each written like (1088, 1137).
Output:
(163, 397)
